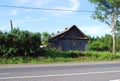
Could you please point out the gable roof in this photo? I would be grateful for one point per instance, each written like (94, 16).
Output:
(62, 34)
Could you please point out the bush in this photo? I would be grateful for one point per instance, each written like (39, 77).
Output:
(19, 43)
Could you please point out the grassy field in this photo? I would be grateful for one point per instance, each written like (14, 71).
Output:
(58, 57)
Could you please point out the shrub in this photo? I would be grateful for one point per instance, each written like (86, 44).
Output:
(19, 43)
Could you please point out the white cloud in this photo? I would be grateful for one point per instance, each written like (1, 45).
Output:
(13, 12)
(21, 2)
(34, 3)
(5, 28)
(67, 5)
(28, 19)
(96, 30)
(74, 6)
(41, 2)
(75, 3)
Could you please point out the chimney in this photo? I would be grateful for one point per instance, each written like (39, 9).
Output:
(66, 28)
(58, 32)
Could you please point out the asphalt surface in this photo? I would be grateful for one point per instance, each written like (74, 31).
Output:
(102, 71)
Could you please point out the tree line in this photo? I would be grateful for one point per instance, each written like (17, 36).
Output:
(24, 43)
(103, 43)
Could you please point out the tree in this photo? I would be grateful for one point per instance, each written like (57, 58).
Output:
(97, 46)
(118, 43)
(103, 43)
(108, 11)
(108, 42)
(45, 37)
(20, 43)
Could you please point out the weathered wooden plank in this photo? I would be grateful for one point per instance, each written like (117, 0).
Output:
(71, 39)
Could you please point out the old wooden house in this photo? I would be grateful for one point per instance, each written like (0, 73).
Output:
(70, 39)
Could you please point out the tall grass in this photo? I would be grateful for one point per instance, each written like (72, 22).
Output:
(50, 56)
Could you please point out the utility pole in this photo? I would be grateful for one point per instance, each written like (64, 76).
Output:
(11, 24)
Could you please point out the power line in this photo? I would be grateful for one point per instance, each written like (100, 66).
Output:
(36, 8)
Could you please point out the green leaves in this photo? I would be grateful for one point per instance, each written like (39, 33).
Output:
(45, 37)
(108, 11)
(19, 43)
(105, 8)
(100, 43)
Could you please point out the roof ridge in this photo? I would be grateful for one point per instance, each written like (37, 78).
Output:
(67, 29)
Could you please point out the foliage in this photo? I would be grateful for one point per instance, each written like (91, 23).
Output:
(118, 43)
(71, 56)
(108, 11)
(105, 9)
(19, 43)
(100, 43)
(45, 37)
(103, 43)
(18, 47)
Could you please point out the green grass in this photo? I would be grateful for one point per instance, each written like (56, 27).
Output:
(58, 57)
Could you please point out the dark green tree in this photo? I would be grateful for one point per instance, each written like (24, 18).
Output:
(19, 43)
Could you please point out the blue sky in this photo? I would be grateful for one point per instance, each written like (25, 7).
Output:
(51, 21)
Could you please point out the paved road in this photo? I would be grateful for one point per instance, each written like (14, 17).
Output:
(107, 71)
